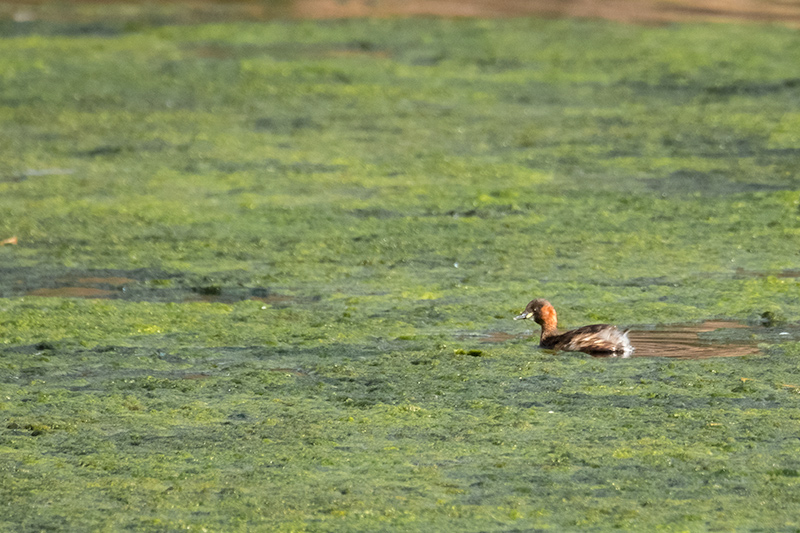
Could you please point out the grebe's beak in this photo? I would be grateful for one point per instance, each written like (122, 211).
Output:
(523, 316)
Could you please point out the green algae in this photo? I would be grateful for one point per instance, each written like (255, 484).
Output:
(318, 220)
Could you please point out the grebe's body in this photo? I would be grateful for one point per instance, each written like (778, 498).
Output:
(597, 339)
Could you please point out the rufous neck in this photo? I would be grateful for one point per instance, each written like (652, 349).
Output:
(549, 321)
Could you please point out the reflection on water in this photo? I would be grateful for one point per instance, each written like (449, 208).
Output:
(72, 292)
(493, 337)
(83, 287)
(116, 281)
(742, 273)
(725, 339)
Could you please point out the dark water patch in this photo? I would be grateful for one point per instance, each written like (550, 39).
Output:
(76, 283)
(104, 150)
(359, 48)
(208, 290)
(788, 472)
(86, 287)
(10, 28)
(643, 281)
(110, 150)
(307, 167)
(787, 152)
(721, 145)
(754, 88)
(73, 292)
(159, 145)
(274, 124)
(291, 51)
(116, 281)
(277, 300)
(201, 166)
(548, 394)
(788, 273)
(220, 294)
(492, 337)
(293, 371)
(710, 146)
(375, 212)
(263, 165)
(194, 376)
(486, 212)
(33, 349)
(687, 182)
(493, 211)
(139, 285)
(499, 64)
(30, 173)
(719, 92)
(425, 59)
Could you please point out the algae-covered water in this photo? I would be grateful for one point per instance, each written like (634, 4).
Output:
(256, 267)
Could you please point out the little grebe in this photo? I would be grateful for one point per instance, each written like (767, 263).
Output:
(598, 339)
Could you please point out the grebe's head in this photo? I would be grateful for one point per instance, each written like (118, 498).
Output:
(540, 310)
